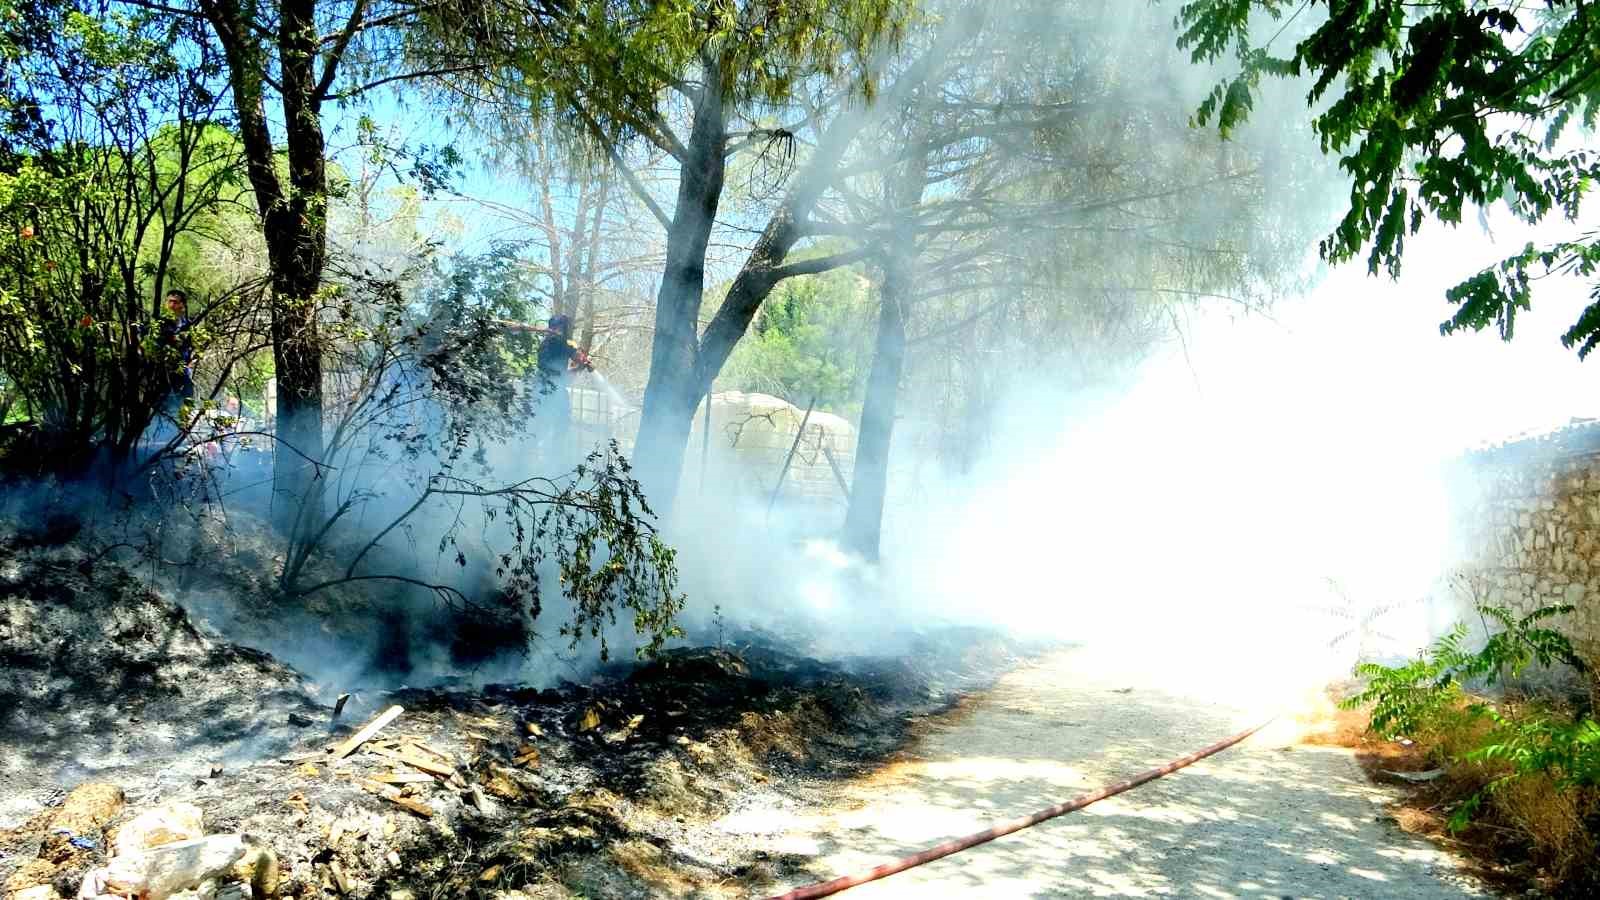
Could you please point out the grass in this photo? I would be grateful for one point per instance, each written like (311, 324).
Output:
(1528, 831)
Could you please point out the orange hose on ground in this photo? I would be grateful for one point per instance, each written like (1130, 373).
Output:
(845, 882)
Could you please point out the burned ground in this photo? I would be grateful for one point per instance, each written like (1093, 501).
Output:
(607, 788)
(98, 673)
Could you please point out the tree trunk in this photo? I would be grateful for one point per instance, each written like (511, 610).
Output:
(590, 282)
(552, 231)
(673, 391)
(574, 260)
(294, 226)
(863, 523)
(297, 241)
(683, 367)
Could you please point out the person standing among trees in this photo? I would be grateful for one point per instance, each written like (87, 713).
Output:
(175, 341)
(558, 359)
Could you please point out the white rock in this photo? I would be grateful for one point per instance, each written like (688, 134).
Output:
(160, 872)
(205, 890)
(165, 824)
(37, 892)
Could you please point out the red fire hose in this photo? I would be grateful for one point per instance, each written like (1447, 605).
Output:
(845, 882)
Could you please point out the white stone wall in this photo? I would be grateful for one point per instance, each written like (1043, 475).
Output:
(1531, 531)
(751, 436)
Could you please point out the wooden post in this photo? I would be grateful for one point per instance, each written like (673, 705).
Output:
(789, 460)
(834, 465)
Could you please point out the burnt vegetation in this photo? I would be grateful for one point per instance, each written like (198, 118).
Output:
(352, 354)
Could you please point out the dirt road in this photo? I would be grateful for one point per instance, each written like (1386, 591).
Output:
(1267, 819)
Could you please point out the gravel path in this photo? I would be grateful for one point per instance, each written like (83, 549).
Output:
(1267, 819)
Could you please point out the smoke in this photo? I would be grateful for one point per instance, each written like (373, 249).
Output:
(1261, 503)
(1263, 498)
(1260, 500)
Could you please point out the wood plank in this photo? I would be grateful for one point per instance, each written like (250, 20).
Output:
(431, 751)
(367, 731)
(415, 761)
(375, 787)
(416, 806)
(339, 878)
(392, 794)
(404, 778)
(479, 800)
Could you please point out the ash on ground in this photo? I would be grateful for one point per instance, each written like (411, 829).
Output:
(100, 675)
(612, 788)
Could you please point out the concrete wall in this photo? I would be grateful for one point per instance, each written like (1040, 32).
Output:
(1529, 526)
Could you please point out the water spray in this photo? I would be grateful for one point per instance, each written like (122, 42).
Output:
(605, 385)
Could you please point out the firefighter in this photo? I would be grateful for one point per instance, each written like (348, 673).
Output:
(559, 358)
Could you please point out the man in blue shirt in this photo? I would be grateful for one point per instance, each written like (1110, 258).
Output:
(558, 359)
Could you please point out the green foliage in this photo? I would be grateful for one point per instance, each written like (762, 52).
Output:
(615, 561)
(1432, 106)
(476, 364)
(1405, 697)
(1566, 751)
(1426, 695)
(603, 65)
(431, 401)
(114, 178)
(813, 339)
(498, 284)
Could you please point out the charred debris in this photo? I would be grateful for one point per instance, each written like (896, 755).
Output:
(145, 757)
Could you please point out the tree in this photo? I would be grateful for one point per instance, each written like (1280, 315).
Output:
(113, 177)
(692, 78)
(864, 517)
(1432, 106)
(296, 50)
(584, 248)
(1039, 196)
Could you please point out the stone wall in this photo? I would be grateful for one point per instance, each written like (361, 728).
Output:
(1529, 526)
(751, 436)
(757, 432)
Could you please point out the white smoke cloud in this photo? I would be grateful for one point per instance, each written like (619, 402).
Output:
(1258, 488)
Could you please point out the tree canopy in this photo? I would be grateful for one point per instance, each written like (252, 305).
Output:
(1432, 107)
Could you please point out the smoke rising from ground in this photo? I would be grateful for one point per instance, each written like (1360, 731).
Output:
(1255, 490)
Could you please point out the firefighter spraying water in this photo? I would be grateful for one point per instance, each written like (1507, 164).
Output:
(559, 359)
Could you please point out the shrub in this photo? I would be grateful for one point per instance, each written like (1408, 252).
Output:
(1530, 766)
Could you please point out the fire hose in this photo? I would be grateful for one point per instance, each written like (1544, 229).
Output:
(845, 882)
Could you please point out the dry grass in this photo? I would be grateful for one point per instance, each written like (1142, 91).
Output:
(1321, 722)
(1554, 821)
